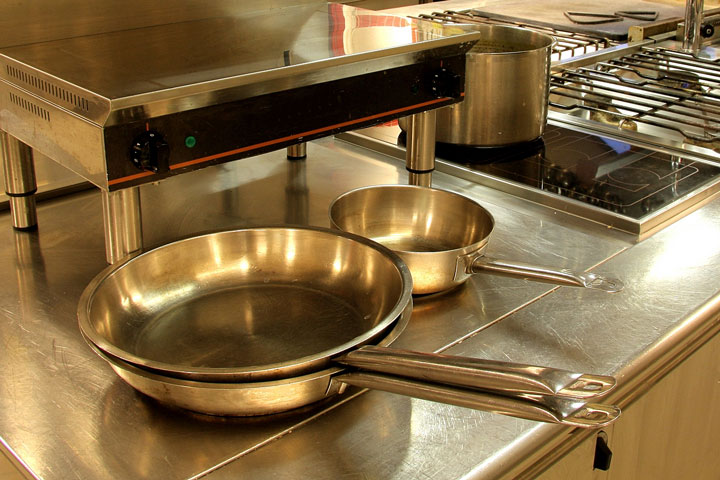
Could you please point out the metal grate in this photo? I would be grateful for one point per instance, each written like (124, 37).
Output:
(653, 88)
(568, 44)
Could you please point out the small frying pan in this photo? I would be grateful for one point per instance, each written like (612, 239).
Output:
(441, 236)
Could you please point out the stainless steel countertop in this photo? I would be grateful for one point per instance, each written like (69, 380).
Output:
(65, 414)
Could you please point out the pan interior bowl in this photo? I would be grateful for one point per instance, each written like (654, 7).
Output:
(412, 219)
(245, 304)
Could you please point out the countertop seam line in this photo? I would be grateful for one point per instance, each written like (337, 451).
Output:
(272, 438)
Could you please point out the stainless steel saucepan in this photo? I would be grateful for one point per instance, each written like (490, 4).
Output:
(507, 79)
(257, 321)
(441, 236)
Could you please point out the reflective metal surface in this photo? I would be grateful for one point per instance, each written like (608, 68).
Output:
(88, 90)
(240, 398)
(420, 153)
(52, 180)
(658, 94)
(649, 95)
(20, 182)
(89, 20)
(577, 172)
(122, 219)
(567, 44)
(481, 374)
(268, 310)
(693, 22)
(506, 89)
(65, 413)
(277, 396)
(133, 101)
(246, 305)
(173, 64)
(573, 413)
(441, 236)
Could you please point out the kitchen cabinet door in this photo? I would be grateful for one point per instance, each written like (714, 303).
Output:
(673, 431)
(578, 464)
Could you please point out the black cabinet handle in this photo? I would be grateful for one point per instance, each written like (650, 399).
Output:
(603, 454)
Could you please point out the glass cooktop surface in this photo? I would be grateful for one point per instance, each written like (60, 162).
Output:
(596, 170)
(626, 186)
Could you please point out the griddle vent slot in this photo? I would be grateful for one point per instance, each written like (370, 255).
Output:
(48, 87)
(30, 106)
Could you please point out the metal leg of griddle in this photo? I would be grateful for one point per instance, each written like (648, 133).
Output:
(693, 21)
(420, 151)
(297, 204)
(297, 151)
(123, 223)
(20, 183)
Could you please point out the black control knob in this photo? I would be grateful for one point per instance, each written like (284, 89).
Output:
(603, 454)
(707, 30)
(150, 152)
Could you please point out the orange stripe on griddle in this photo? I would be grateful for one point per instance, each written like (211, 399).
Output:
(130, 177)
(279, 140)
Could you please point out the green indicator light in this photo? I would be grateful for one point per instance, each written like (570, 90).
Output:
(190, 141)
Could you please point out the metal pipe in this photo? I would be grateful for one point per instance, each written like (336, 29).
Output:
(420, 152)
(693, 21)
(20, 183)
(122, 219)
(297, 205)
(297, 151)
(420, 179)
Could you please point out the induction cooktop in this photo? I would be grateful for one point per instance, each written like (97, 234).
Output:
(619, 184)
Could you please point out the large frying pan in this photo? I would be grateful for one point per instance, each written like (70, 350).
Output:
(275, 314)
(441, 236)
(277, 396)
(251, 304)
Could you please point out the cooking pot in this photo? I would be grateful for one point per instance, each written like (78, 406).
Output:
(507, 79)
(441, 236)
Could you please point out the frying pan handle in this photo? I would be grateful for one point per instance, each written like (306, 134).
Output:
(544, 274)
(489, 375)
(562, 411)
